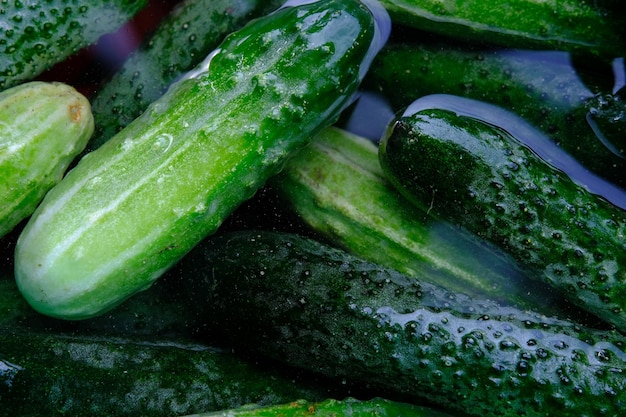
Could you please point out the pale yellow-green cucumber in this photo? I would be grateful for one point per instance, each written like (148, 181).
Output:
(43, 126)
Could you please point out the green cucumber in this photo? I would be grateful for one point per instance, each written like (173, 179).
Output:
(45, 374)
(131, 209)
(281, 296)
(36, 35)
(349, 407)
(543, 88)
(336, 185)
(43, 127)
(180, 42)
(159, 312)
(479, 176)
(581, 26)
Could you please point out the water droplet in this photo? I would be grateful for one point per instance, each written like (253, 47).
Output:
(163, 142)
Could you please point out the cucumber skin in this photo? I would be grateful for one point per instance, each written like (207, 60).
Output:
(349, 407)
(548, 95)
(487, 182)
(131, 209)
(166, 55)
(43, 127)
(44, 374)
(336, 185)
(38, 35)
(584, 27)
(292, 299)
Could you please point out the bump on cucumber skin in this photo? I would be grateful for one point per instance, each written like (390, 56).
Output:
(43, 127)
(547, 94)
(36, 35)
(481, 178)
(581, 26)
(72, 374)
(182, 40)
(337, 186)
(314, 307)
(348, 407)
(131, 209)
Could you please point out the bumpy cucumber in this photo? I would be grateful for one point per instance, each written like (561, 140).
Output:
(285, 297)
(543, 88)
(43, 374)
(36, 35)
(131, 209)
(181, 41)
(481, 177)
(43, 126)
(582, 26)
(338, 188)
(349, 407)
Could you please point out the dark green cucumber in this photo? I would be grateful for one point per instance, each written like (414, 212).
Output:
(311, 306)
(159, 312)
(349, 407)
(180, 42)
(44, 374)
(481, 177)
(36, 35)
(43, 127)
(543, 88)
(582, 26)
(131, 209)
(336, 185)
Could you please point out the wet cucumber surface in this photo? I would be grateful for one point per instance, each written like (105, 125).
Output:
(483, 179)
(292, 299)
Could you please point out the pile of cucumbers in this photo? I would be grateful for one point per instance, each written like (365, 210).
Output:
(211, 233)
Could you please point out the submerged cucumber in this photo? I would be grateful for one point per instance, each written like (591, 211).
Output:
(181, 41)
(43, 126)
(131, 209)
(308, 305)
(479, 176)
(349, 407)
(337, 186)
(542, 87)
(44, 374)
(36, 35)
(581, 26)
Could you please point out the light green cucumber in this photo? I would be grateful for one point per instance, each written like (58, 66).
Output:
(336, 185)
(35, 35)
(43, 126)
(131, 209)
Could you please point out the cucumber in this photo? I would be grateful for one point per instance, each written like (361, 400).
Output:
(336, 185)
(587, 27)
(180, 42)
(43, 126)
(541, 87)
(36, 35)
(45, 374)
(483, 178)
(281, 296)
(131, 209)
(349, 407)
(159, 312)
